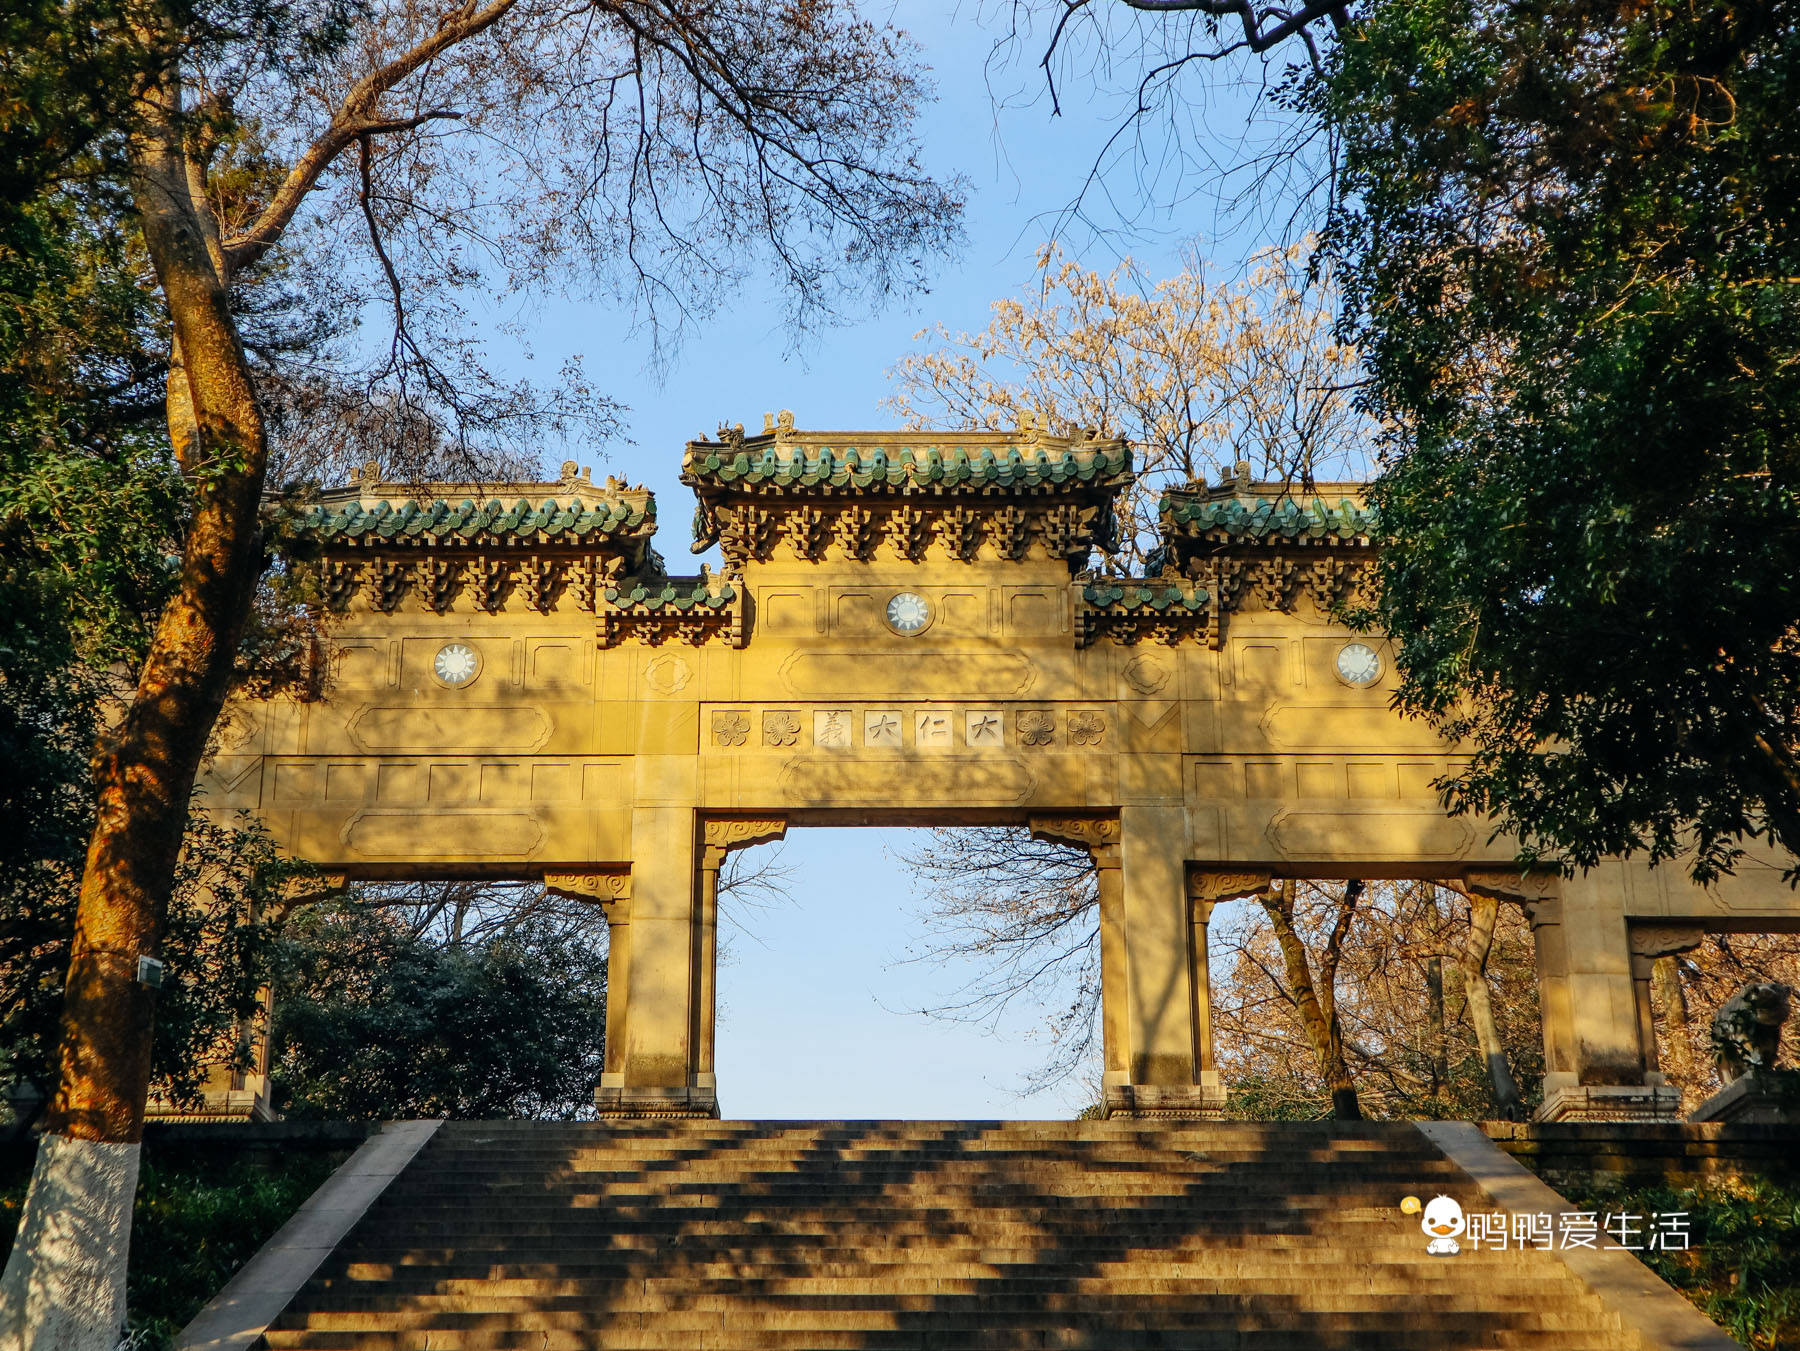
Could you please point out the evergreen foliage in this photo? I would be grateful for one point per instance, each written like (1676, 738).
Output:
(375, 1022)
(1570, 257)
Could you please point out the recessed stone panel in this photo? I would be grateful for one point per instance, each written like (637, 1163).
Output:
(301, 782)
(910, 675)
(1370, 780)
(347, 783)
(1337, 727)
(443, 835)
(1034, 614)
(925, 780)
(1328, 836)
(457, 727)
(1320, 779)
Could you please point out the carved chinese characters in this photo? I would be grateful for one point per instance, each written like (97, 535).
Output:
(926, 728)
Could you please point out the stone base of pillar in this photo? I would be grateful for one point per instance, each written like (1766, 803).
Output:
(1771, 1097)
(1611, 1102)
(653, 1104)
(216, 1104)
(1157, 1102)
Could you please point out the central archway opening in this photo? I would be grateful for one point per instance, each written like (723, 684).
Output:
(823, 992)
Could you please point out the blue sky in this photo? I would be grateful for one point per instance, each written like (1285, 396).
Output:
(815, 996)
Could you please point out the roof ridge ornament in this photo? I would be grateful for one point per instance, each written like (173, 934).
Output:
(780, 425)
(1030, 429)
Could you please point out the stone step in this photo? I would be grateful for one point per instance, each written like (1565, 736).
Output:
(642, 1335)
(817, 1236)
(971, 1317)
(578, 1300)
(970, 1264)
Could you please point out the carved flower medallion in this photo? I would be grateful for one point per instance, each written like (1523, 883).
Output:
(1037, 727)
(730, 729)
(780, 729)
(1087, 729)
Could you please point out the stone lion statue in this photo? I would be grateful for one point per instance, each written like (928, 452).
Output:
(1746, 1031)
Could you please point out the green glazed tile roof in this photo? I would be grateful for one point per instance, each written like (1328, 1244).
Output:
(440, 522)
(673, 593)
(1125, 594)
(905, 467)
(1259, 518)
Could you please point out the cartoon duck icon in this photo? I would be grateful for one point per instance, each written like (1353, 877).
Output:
(1443, 1221)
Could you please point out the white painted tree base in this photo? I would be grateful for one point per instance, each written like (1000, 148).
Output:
(64, 1287)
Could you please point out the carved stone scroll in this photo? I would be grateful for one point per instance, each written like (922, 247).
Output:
(1087, 832)
(724, 834)
(1507, 885)
(604, 887)
(1212, 887)
(1664, 940)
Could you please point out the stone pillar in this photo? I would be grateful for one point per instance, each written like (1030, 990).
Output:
(655, 1061)
(662, 972)
(1596, 1066)
(1200, 960)
(240, 1090)
(1204, 891)
(718, 837)
(1649, 942)
(612, 892)
(1099, 835)
(1152, 1010)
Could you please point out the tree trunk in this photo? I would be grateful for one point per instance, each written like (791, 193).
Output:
(1666, 984)
(1440, 1051)
(1317, 1004)
(1484, 912)
(63, 1288)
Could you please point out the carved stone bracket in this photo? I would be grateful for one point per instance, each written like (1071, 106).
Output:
(1664, 940)
(1507, 885)
(1092, 833)
(1204, 887)
(722, 834)
(1086, 831)
(602, 887)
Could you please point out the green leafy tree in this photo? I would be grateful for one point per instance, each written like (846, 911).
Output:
(1567, 240)
(375, 1020)
(216, 958)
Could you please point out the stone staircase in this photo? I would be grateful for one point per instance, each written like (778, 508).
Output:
(688, 1236)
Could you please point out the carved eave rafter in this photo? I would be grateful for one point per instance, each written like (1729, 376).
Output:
(848, 494)
(379, 543)
(1131, 610)
(691, 610)
(1240, 546)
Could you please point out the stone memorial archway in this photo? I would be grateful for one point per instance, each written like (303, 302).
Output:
(902, 634)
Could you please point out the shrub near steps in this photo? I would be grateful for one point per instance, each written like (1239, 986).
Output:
(788, 1236)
